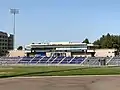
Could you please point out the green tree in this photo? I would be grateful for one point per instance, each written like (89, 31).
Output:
(20, 48)
(108, 41)
(86, 41)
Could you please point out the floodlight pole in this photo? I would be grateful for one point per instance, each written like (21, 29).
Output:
(14, 25)
(14, 12)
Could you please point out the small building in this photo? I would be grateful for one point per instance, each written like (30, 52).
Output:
(105, 52)
(16, 53)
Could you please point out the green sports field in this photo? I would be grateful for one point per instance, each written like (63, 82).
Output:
(16, 71)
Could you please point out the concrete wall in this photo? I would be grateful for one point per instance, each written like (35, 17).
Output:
(104, 52)
(81, 55)
(16, 53)
(48, 54)
(68, 54)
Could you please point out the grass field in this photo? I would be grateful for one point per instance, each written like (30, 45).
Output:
(14, 71)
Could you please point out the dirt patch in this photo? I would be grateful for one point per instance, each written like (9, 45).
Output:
(5, 73)
(62, 83)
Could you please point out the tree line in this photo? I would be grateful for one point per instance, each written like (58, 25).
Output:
(106, 41)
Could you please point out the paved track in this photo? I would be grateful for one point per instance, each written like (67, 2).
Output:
(62, 83)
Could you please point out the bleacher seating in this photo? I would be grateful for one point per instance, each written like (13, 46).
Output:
(9, 60)
(50, 60)
(66, 60)
(77, 60)
(44, 60)
(59, 60)
(114, 61)
(25, 60)
(35, 60)
(41, 60)
(92, 61)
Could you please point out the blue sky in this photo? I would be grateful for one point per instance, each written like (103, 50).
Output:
(60, 20)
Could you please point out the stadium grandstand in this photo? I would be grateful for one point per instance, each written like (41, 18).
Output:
(61, 60)
(62, 53)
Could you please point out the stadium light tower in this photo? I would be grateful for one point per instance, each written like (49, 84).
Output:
(14, 12)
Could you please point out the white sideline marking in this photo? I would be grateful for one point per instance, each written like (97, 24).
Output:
(66, 76)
